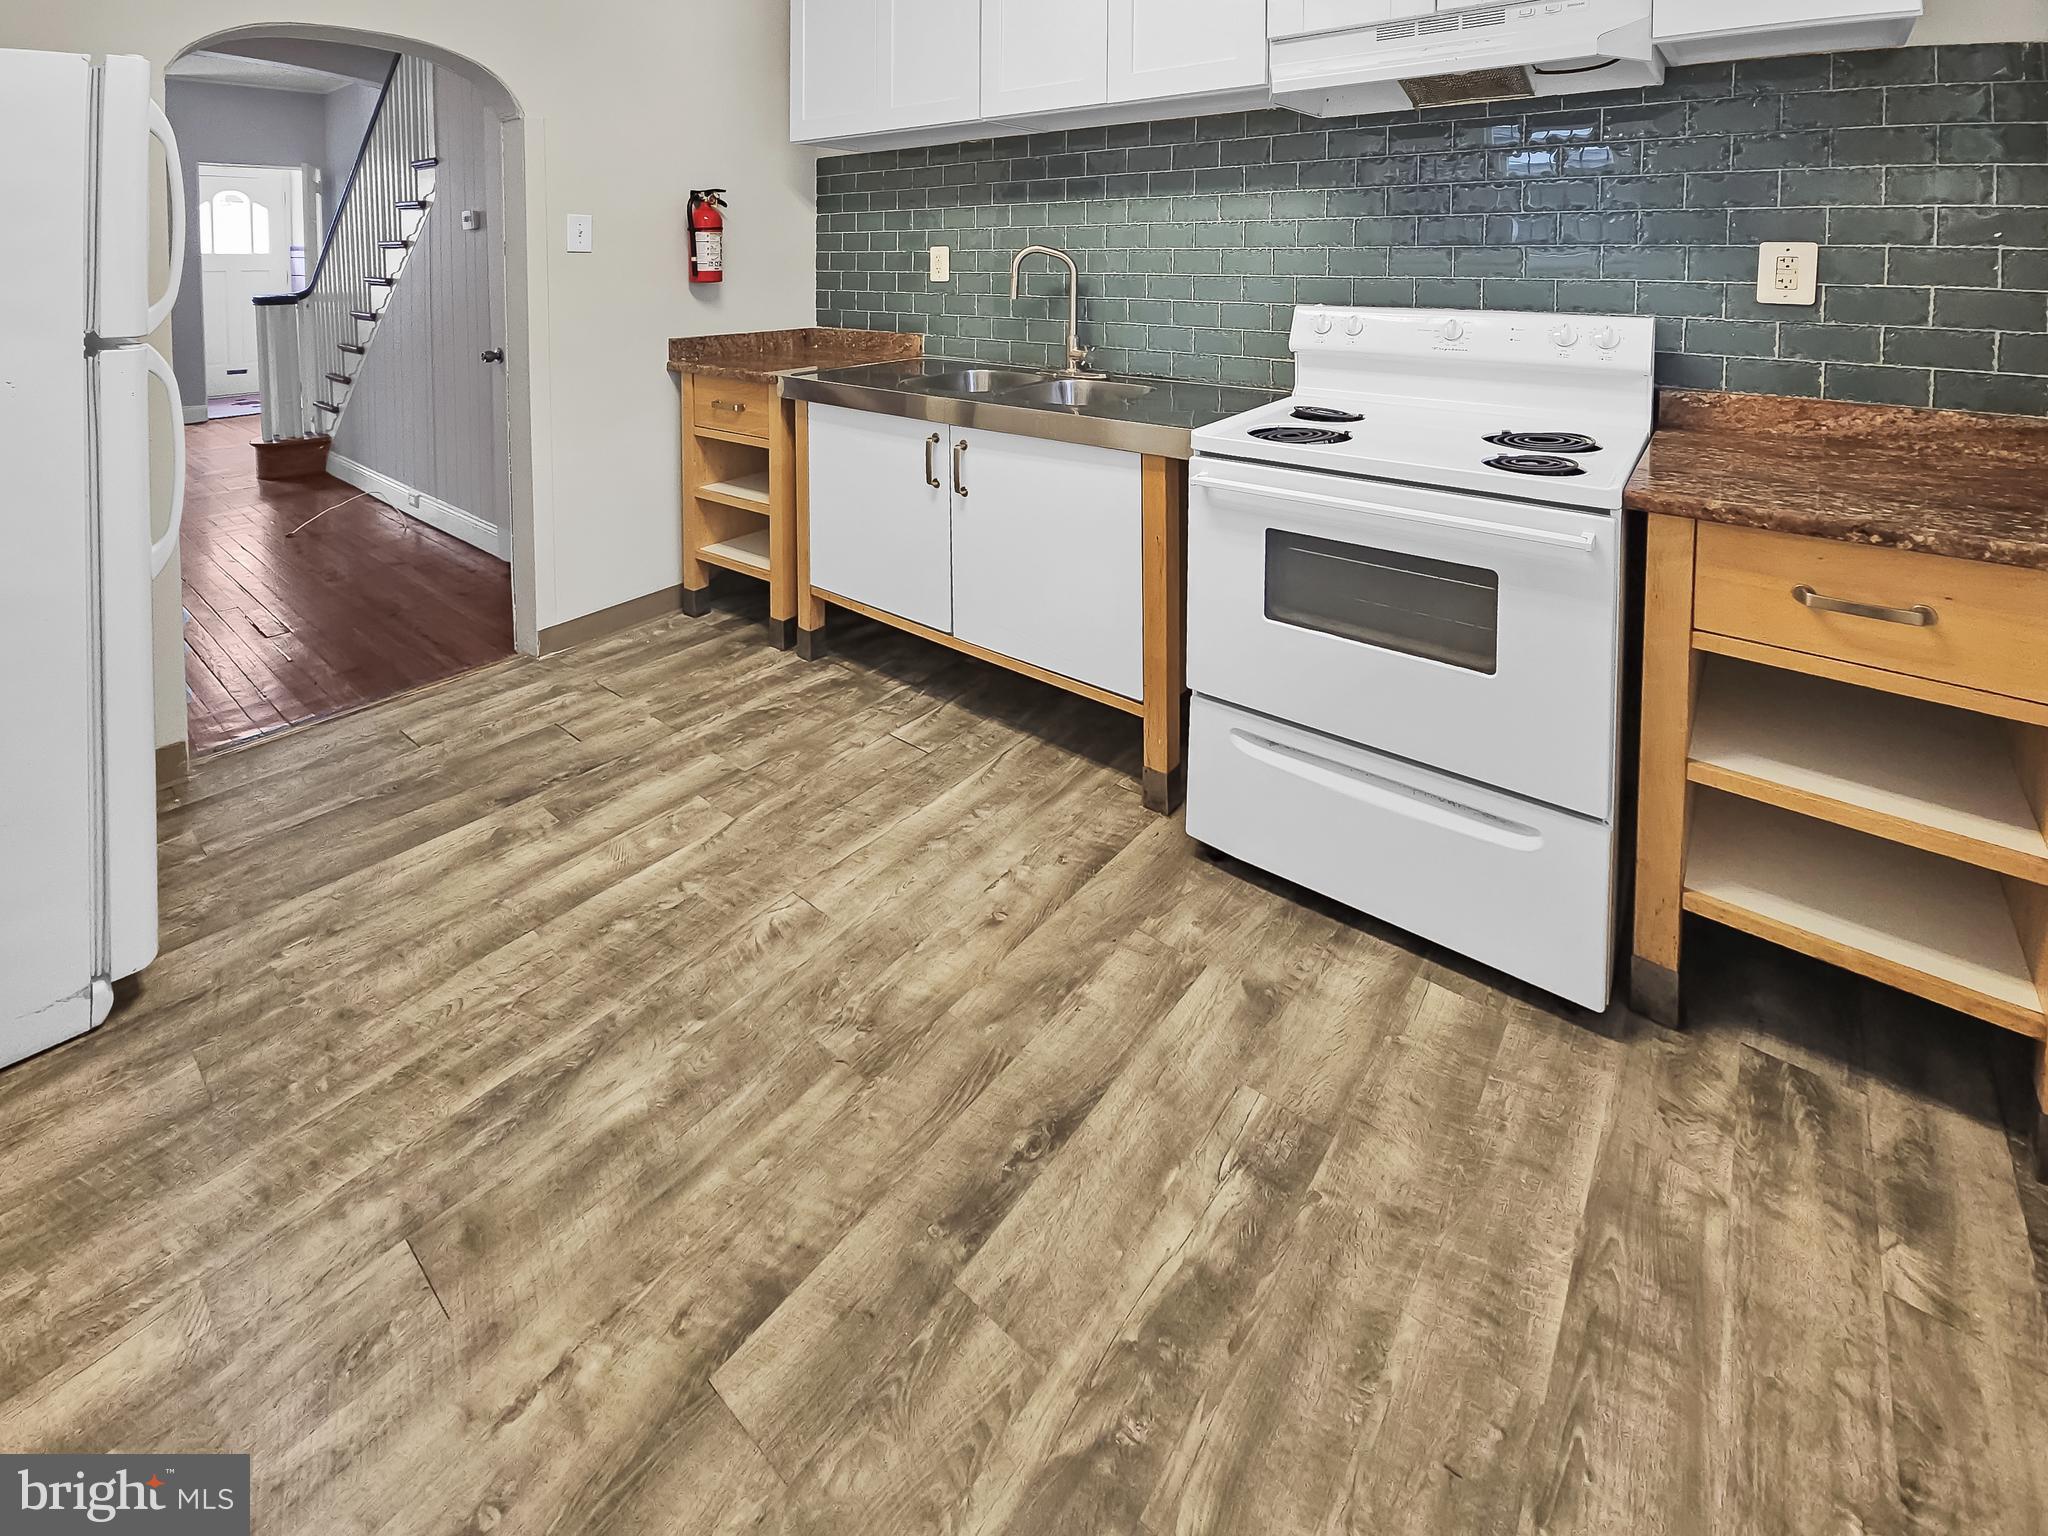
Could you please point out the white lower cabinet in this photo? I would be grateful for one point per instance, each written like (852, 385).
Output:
(880, 524)
(1027, 548)
(1048, 557)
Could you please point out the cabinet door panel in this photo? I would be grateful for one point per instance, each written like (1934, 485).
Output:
(934, 62)
(1043, 55)
(1048, 557)
(1167, 48)
(837, 82)
(879, 532)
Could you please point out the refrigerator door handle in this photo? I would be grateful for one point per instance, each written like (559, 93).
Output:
(160, 130)
(160, 550)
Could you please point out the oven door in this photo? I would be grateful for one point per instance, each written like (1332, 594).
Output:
(1476, 635)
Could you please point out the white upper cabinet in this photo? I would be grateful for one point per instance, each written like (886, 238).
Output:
(1159, 49)
(865, 67)
(1043, 55)
(934, 62)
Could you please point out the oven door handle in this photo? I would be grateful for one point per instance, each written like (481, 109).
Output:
(1584, 543)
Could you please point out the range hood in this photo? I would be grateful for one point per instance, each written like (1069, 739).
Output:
(1339, 57)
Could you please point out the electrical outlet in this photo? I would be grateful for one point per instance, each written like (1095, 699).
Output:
(1787, 272)
(579, 232)
(942, 263)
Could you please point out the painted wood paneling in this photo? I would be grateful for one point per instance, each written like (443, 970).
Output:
(426, 410)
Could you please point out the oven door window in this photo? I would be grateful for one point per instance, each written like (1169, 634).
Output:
(1380, 597)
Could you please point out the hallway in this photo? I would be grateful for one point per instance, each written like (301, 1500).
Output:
(282, 627)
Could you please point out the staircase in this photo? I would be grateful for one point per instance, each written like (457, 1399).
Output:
(314, 342)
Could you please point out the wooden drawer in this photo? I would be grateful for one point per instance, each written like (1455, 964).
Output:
(1990, 622)
(734, 405)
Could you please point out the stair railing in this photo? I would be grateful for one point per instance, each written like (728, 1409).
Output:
(300, 335)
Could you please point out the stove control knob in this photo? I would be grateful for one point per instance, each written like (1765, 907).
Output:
(1607, 338)
(1451, 330)
(1322, 325)
(1565, 335)
(1355, 326)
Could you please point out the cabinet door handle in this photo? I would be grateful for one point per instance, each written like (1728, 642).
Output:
(737, 407)
(960, 467)
(930, 443)
(1918, 614)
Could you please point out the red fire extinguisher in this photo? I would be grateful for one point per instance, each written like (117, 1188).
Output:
(707, 236)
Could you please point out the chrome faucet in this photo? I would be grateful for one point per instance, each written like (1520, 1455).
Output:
(1077, 355)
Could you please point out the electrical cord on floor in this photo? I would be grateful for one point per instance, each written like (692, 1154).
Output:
(309, 522)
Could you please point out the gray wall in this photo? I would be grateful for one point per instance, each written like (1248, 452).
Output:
(232, 125)
(244, 125)
(426, 410)
(1922, 171)
(348, 113)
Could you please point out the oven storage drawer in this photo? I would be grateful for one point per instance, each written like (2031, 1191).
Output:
(1954, 621)
(1520, 886)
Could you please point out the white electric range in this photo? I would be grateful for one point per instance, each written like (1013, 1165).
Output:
(1404, 627)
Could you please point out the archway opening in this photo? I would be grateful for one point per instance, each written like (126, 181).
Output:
(407, 556)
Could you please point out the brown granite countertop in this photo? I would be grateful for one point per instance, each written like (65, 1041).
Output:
(770, 354)
(1943, 482)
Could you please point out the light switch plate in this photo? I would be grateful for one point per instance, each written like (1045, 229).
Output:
(942, 263)
(579, 232)
(1787, 272)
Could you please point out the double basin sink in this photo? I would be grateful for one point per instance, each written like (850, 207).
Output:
(1130, 415)
(1026, 387)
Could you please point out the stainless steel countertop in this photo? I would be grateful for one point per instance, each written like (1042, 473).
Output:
(1158, 422)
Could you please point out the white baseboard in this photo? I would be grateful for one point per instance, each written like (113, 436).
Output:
(432, 511)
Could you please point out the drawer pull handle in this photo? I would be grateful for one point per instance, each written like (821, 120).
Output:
(735, 406)
(930, 443)
(960, 467)
(1919, 614)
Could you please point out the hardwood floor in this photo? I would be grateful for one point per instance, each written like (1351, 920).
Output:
(673, 1087)
(282, 628)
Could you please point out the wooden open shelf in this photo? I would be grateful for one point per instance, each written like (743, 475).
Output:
(737, 439)
(1937, 778)
(747, 553)
(1929, 925)
(749, 492)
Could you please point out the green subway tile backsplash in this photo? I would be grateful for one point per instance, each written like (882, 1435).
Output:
(1922, 172)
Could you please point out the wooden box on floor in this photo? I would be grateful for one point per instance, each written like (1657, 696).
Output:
(1866, 785)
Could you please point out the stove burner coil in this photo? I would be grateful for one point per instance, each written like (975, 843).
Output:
(1300, 436)
(1324, 413)
(1545, 442)
(1534, 464)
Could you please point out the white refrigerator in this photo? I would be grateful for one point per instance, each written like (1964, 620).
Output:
(77, 739)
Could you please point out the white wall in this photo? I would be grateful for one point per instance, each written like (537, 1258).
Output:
(1982, 21)
(627, 104)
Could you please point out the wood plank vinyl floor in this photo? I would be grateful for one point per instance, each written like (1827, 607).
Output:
(672, 1087)
(282, 628)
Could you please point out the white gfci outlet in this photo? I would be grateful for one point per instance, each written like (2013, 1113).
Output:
(1787, 272)
(942, 263)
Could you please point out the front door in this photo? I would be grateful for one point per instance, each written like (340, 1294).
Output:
(246, 229)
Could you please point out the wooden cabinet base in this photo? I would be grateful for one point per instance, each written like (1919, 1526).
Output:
(1653, 992)
(1165, 792)
(1835, 791)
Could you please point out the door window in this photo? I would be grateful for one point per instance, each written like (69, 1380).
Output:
(1381, 597)
(230, 224)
